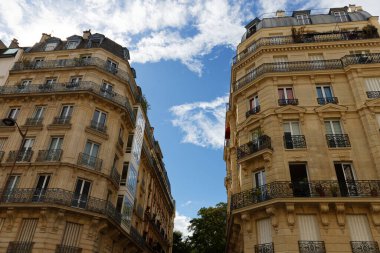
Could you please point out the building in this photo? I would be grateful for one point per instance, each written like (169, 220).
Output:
(81, 170)
(8, 56)
(302, 146)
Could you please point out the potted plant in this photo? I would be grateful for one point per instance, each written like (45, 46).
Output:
(319, 189)
(370, 31)
(334, 190)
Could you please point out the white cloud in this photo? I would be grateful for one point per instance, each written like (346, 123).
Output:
(181, 223)
(201, 122)
(187, 203)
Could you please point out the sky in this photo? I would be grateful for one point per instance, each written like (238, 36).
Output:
(182, 51)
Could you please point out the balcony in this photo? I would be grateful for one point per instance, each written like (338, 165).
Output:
(283, 102)
(264, 248)
(78, 63)
(294, 141)
(263, 142)
(91, 162)
(373, 94)
(67, 249)
(20, 247)
(34, 122)
(327, 100)
(51, 155)
(279, 67)
(137, 237)
(338, 141)
(311, 246)
(98, 126)
(62, 120)
(306, 189)
(252, 111)
(304, 38)
(66, 88)
(115, 176)
(22, 156)
(364, 247)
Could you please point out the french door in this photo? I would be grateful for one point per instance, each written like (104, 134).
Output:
(42, 185)
(346, 179)
(81, 193)
(10, 186)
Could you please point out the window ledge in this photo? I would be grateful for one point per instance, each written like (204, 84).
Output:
(59, 126)
(97, 133)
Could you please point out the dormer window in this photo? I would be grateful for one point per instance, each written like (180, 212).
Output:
(341, 16)
(72, 44)
(95, 40)
(251, 30)
(303, 19)
(51, 46)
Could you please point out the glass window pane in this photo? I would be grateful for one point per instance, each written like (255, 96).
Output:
(319, 92)
(328, 92)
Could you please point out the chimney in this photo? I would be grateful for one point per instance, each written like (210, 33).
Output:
(2, 45)
(14, 44)
(44, 37)
(354, 8)
(86, 34)
(280, 13)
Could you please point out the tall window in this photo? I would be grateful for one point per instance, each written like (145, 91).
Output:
(129, 143)
(309, 232)
(99, 119)
(26, 234)
(72, 44)
(341, 16)
(81, 193)
(333, 127)
(38, 62)
(66, 111)
(13, 112)
(254, 102)
(92, 149)
(334, 134)
(360, 230)
(26, 150)
(292, 127)
(124, 174)
(259, 179)
(292, 135)
(75, 80)
(264, 232)
(132, 180)
(325, 94)
(55, 149)
(119, 203)
(39, 112)
(111, 66)
(285, 93)
(41, 187)
(11, 185)
(51, 46)
(303, 19)
(71, 237)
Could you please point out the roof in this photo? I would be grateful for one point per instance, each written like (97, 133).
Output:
(292, 20)
(8, 52)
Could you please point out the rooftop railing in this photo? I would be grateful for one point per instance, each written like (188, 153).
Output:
(87, 86)
(306, 189)
(77, 62)
(304, 38)
(306, 66)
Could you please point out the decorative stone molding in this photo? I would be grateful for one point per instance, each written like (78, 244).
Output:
(340, 214)
(324, 212)
(10, 217)
(271, 211)
(375, 214)
(93, 228)
(247, 222)
(58, 220)
(290, 215)
(43, 220)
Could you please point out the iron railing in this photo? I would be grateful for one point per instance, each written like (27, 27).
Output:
(304, 38)
(373, 94)
(338, 140)
(83, 86)
(1, 155)
(62, 120)
(312, 246)
(263, 142)
(264, 248)
(115, 176)
(51, 155)
(327, 100)
(90, 161)
(67, 249)
(22, 156)
(20, 247)
(306, 66)
(364, 247)
(34, 121)
(252, 111)
(306, 189)
(76, 62)
(137, 237)
(294, 141)
(98, 126)
(283, 101)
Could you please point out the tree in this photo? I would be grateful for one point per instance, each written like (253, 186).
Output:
(209, 230)
(180, 245)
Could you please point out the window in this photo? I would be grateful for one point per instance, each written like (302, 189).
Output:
(61, 62)
(325, 95)
(303, 19)
(72, 44)
(286, 96)
(292, 135)
(264, 231)
(50, 81)
(85, 58)
(26, 234)
(292, 127)
(119, 203)
(25, 83)
(259, 179)
(333, 127)
(254, 102)
(71, 235)
(340, 16)
(129, 143)
(334, 134)
(92, 149)
(41, 186)
(132, 180)
(360, 230)
(39, 112)
(373, 87)
(309, 233)
(377, 118)
(81, 193)
(66, 111)
(38, 62)
(75, 80)
(111, 66)
(13, 113)
(124, 173)
(50, 46)
(56, 143)
(346, 179)
(99, 120)
(107, 89)
(11, 184)
(26, 150)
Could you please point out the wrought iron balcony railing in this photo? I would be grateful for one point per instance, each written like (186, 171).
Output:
(294, 141)
(312, 246)
(327, 100)
(22, 156)
(76, 62)
(304, 38)
(252, 111)
(263, 142)
(51, 155)
(98, 126)
(62, 120)
(67, 249)
(373, 94)
(90, 161)
(20, 247)
(364, 247)
(115, 176)
(306, 189)
(83, 86)
(305, 66)
(264, 248)
(137, 237)
(34, 121)
(292, 101)
(338, 140)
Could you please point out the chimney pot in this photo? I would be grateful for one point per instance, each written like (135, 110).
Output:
(280, 13)
(44, 37)
(86, 34)
(14, 44)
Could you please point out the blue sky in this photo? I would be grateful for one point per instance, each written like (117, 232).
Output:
(182, 52)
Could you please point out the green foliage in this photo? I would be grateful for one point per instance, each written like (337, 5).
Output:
(144, 104)
(370, 31)
(180, 245)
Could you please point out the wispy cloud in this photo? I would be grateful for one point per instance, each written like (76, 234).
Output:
(201, 122)
(181, 223)
(187, 203)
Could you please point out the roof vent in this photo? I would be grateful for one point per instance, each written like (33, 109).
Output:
(280, 13)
